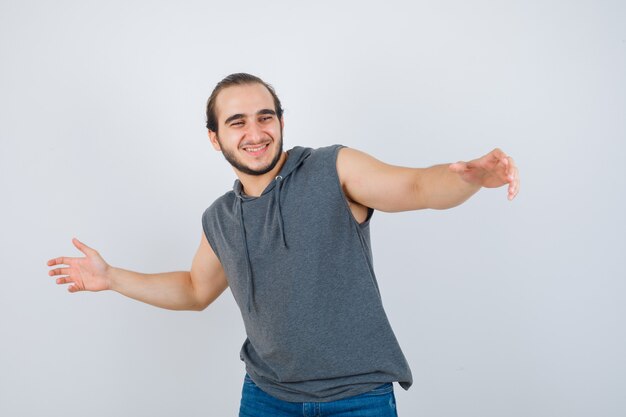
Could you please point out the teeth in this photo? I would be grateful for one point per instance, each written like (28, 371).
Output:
(255, 149)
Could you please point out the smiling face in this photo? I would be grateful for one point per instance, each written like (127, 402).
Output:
(250, 133)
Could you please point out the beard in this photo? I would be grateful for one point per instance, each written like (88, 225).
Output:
(231, 158)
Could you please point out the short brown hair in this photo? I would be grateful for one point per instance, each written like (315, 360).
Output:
(240, 78)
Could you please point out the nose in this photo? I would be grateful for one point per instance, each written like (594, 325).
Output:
(254, 132)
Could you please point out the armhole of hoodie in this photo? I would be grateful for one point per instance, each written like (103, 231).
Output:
(205, 229)
(344, 198)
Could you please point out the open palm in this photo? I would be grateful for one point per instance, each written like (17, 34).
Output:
(85, 274)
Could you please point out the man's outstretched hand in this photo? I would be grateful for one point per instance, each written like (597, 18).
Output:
(85, 274)
(492, 170)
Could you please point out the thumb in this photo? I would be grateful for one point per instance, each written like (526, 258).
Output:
(458, 166)
(82, 247)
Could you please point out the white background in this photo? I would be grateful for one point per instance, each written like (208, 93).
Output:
(501, 308)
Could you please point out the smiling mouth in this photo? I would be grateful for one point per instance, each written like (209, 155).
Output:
(255, 149)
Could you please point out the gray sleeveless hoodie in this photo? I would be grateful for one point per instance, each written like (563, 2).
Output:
(299, 266)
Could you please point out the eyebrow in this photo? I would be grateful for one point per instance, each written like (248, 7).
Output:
(241, 115)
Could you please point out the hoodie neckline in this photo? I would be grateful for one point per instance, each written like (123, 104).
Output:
(295, 157)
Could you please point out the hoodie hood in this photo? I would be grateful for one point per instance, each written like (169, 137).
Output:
(295, 157)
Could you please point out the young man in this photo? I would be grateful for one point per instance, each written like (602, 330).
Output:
(291, 240)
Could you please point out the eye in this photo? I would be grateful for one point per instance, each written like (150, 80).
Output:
(266, 118)
(240, 123)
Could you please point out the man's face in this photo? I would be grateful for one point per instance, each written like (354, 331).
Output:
(250, 133)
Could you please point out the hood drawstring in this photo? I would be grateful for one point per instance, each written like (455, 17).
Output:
(244, 240)
(281, 225)
(296, 157)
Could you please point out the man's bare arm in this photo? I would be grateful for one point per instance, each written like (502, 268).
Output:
(181, 290)
(390, 188)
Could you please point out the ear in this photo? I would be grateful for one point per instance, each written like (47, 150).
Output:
(214, 141)
(282, 122)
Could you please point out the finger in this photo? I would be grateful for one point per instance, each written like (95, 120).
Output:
(515, 174)
(511, 161)
(513, 193)
(514, 177)
(510, 188)
(73, 288)
(514, 187)
(82, 247)
(61, 260)
(59, 271)
(502, 172)
(64, 280)
(511, 167)
(499, 154)
(492, 159)
(507, 167)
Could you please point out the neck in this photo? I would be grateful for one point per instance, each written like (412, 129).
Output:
(253, 185)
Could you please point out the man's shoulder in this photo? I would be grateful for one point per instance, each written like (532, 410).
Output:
(323, 153)
(321, 149)
(221, 204)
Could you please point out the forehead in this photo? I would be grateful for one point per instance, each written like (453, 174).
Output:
(244, 99)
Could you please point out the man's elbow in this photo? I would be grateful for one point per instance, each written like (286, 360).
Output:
(201, 307)
(198, 305)
(203, 301)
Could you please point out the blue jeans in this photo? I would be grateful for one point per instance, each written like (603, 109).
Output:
(379, 402)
